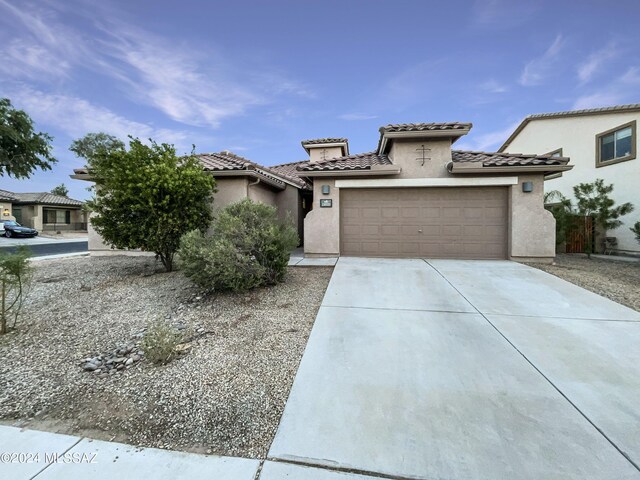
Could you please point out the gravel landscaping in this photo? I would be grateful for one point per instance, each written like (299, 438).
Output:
(617, 280)
(224, 395)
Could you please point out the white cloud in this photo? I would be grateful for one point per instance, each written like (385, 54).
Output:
(489, 141)
(537, 70)
(493, 86)
(76, 117)
(44, 49)
(595, 61)
(595, 100)
(620, 91)
(182, 82)
(356, 116)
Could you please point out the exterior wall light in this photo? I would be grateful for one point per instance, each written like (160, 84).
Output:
(6, 212)
(325, 189)
(527, 187)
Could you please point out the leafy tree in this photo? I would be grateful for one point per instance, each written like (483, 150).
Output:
(93, 146)
(61, 190)
(593, 200)
(636, 230)
(146, 197)
(15, 278)
(22, 150)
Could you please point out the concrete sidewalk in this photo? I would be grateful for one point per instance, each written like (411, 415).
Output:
(465, 370)
(51, 456)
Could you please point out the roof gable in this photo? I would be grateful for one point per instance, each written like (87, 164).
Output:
(631, 107)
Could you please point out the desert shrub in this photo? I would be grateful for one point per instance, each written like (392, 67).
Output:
(216, 264)
(249, 247)
(160, 341)
(15, 278)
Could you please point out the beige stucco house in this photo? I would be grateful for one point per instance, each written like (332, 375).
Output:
(601, 142)
(6, 205)
(411, 197)
(238, 178)
(43, 211)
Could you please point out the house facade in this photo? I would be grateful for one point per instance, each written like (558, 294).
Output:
(602, 143)
(6, 205)
(43, 211)
(236, 179)
(48, 212)
(414, 196)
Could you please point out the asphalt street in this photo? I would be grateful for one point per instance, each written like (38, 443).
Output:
(39, 249)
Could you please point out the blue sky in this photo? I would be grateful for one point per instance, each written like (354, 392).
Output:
(257, 77)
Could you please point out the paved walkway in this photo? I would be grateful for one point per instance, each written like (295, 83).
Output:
(465, 370)
(424, 369)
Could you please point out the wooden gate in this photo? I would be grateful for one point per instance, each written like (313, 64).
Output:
(576, 234)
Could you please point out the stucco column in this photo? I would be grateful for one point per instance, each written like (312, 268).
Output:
(322, 224)
(533, 228)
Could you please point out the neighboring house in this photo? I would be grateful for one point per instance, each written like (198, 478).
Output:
(412, 197)
(601, 142)
(6, 205)
(48, 212)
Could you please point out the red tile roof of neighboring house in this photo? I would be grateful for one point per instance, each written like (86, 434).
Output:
(495, 159)
(361, 161)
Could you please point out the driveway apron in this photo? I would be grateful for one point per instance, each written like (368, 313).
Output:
(451, 369)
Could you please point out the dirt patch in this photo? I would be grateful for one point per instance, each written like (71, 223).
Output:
(617, 280)
(225, 396)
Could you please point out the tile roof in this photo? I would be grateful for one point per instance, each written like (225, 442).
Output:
(587, 111)
(46, 198)
(290, 170)
(422, 127)
(495, 159)
(631, 107)
(361, 161)
(317, 141)
(227, 161)
(7, 196)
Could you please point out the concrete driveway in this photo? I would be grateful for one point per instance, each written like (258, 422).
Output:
(457, 370)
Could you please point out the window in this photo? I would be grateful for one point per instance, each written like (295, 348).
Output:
(56, 216)
(616, 145)
(554, 153)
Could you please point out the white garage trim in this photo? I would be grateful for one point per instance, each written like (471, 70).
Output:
(427, 182)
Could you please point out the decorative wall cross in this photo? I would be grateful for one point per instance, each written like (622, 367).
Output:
(422, 154)
(324, 154)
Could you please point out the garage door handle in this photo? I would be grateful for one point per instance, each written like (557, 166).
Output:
(419, 230)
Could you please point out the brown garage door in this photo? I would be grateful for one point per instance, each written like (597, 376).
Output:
(424, 222)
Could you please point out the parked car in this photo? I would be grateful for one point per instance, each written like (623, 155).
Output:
(14, 229)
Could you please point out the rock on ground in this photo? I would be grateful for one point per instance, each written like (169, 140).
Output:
(225, 395)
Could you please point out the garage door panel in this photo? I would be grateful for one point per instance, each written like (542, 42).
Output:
(455, 222)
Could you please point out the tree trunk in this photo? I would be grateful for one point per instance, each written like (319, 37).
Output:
(3, 316)
(167, 261)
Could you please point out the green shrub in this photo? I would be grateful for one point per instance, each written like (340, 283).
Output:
(15, 278)
(216, 264)
(636, 230)
(160, 341)
(250, 247)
